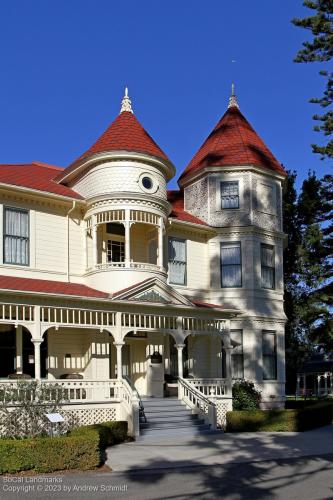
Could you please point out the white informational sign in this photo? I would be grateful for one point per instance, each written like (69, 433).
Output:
(54, 417)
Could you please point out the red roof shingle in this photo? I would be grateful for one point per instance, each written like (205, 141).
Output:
(37, 176)
(233, 142)
(49, 287)
(124, 134)
(176, 198)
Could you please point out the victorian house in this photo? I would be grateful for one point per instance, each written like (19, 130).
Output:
(116, 288)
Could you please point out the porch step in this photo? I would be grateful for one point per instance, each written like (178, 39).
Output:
(168, 417)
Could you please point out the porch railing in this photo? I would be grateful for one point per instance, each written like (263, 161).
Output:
(73, 391)
(213, 387)
(201, 405)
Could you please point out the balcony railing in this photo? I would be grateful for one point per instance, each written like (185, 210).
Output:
(133, 265)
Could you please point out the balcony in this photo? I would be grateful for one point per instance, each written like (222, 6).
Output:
(128, 243)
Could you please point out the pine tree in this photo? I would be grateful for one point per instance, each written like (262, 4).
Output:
(295, 344)
(315, 253)
(320, 49)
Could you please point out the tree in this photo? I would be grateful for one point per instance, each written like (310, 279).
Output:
(315, 254)
(296, 346)
(320, 49)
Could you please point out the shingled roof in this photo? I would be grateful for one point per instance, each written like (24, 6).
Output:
(124, 134)
(37, 176)
(233, 142)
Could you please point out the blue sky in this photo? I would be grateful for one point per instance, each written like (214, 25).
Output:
(64, 65)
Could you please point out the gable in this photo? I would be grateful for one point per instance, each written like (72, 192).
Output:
(152, 290)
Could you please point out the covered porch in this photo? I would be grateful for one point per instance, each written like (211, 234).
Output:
(105, 359)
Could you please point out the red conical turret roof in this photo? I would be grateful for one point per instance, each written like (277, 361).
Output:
(233, 142)
(124, 134)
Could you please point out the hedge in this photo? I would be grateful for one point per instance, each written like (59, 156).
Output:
(109, 433)
(302, 419)
(80, 449)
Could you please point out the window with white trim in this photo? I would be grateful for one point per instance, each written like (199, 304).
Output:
(269, 355)
(237, 358)
(267, 266)
(231, 265)
(16, 236)
(229, 194)
(177, 261)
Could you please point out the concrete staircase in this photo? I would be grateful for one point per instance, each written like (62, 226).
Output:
(168, 417)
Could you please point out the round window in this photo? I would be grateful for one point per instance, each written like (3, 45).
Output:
(147, 182)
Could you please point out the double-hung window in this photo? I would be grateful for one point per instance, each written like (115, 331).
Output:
(267, 266)
(269, 358)
(177, 261)
(231, 265)
(237, 360)
(16, 236)
(230, 194)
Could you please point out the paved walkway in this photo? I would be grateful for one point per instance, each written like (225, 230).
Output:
(217, 449)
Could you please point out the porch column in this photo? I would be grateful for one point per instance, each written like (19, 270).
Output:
(94, 242)
(85, 249)
(325, 382)
(180, 348)
(37, 344)
(118, 346)
(127, 225)
(160, 243)
(19, 350)
(298, 385)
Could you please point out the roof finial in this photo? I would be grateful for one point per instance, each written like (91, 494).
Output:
(233, 99)
(126, 103)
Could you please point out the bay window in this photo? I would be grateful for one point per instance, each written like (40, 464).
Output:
(177, 261)
(269, 355)
(231, 265)
(267, 266)
(230, 194)
(16, 236)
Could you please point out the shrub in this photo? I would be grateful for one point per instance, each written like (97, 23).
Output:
(81, 449)
(245, 396)
(302, 419)
(109, 432)
(23, 405)
(50, 454)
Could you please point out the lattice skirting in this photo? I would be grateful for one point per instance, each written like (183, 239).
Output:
(222, 407)
(94, 415)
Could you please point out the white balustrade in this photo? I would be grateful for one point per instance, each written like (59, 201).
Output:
(213, 387)
(194, 399)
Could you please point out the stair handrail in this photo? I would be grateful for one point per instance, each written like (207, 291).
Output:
(196, 400)
(137, 395)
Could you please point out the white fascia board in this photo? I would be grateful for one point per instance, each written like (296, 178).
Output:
(37, 192)
(191, 177)
(164, 165)
(199, 227)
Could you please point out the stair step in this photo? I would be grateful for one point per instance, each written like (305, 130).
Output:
(172, 418)
(168, 409)
(176, 425)
(171, 431)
